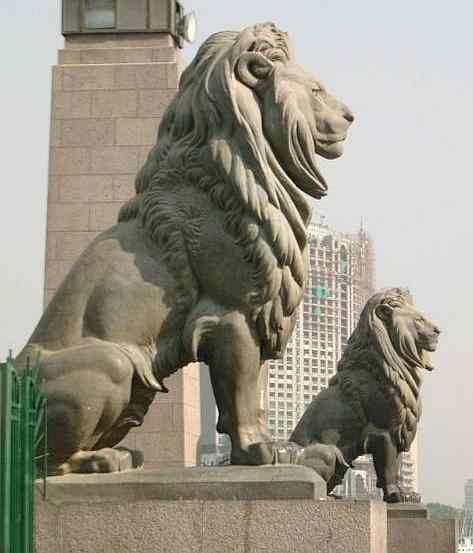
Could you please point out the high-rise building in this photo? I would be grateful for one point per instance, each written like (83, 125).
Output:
(408, 476)
(469, 496)
(466, 531)
(214, 448)
(341, 279)
(117, 73)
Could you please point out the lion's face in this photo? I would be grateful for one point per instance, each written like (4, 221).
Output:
(324, 117)
(300, 120)
(409, 328)
(424, 332)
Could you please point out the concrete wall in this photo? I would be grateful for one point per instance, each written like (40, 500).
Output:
(109, 94)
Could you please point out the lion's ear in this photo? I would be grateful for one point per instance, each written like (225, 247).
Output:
(384, 311)
(252, 68)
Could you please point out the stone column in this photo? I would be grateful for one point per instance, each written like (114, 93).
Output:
(109, 94)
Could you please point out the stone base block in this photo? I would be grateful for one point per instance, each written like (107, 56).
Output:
(410, 530)
(230, 509)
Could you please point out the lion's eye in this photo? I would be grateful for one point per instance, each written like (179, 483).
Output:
(316, 91)
(420, 320)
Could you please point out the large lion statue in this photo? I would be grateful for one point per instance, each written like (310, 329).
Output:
(372, 405)
(208, 260)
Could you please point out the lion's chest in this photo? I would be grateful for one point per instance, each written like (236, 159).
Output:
(397, 413)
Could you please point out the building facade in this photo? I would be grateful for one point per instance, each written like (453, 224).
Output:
(469, 496)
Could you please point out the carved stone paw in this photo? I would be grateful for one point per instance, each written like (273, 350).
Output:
(392, 494)
(101, 461)
(327, 460)
(269, 453)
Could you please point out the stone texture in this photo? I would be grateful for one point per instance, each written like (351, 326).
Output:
(55, 133)
(68, 246)
(123, 187)
(48, 526)
(136, 132)
(69, 57)
(225, 522)
(128, 40)
(90, 77)
(114, 103)
(129, 54)
(199, 483)
(71, 104)
(417, 535)
(85, 188)
(137, 76)
(57, 271)
(149, 527)
(114, 160)
(69, 161)
(203, 510)
(152, 103)
(68, 217)
(86, 132)
(407, 510)
(103, 215)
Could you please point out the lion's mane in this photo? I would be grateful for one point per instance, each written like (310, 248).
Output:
(211, 138)
(391, 356)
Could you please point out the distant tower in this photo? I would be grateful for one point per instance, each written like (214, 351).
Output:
(469, 496)
(117, 73)
(466, 533)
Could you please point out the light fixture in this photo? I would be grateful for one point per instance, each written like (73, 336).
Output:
(187, 27)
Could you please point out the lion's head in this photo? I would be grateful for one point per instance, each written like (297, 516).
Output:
(393, 337)
(245, 127)
(247, 110)
(390, 325)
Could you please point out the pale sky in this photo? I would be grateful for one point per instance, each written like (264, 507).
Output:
(405, 69)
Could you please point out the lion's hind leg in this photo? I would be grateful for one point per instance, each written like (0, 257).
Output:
(88, 389)
(101, 461)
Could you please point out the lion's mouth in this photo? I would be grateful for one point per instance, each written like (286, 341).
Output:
(328, 141)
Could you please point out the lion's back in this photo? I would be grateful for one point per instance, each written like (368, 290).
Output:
(119, 273)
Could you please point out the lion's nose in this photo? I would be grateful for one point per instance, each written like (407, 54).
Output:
(348, 115)
(436, 329)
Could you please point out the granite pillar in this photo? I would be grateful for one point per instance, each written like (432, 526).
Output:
(109, 94)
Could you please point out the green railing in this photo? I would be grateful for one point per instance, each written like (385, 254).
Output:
(23, 436)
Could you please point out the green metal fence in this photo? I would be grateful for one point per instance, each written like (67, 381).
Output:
(22, 437)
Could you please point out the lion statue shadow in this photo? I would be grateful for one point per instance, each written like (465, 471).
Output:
(207, 262)
(372, 405)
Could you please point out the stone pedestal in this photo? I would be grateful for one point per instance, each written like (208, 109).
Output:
(228, 509)
(410, 531)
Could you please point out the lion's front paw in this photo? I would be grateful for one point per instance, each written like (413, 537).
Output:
(392, 494)
(269, 453)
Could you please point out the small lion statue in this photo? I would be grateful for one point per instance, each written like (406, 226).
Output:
(372, 405)
(206, 263)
